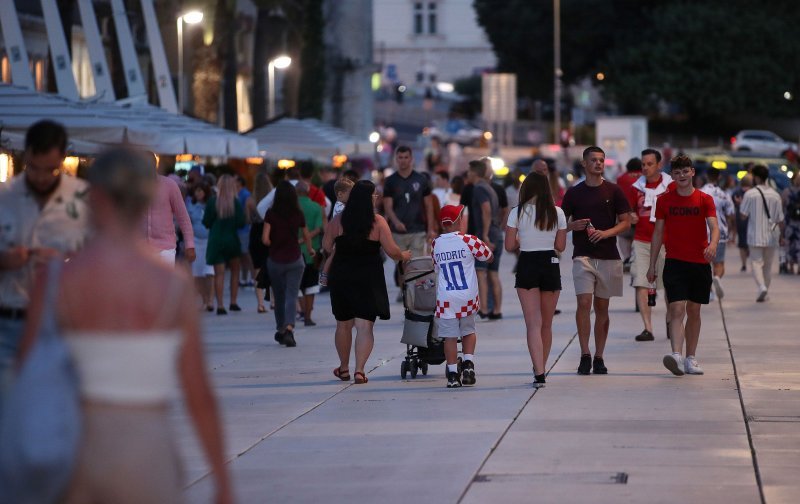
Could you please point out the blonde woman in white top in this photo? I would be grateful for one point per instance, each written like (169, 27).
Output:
(132, 327)
(538, 229)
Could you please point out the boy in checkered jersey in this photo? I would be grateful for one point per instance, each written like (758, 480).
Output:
(454, 254)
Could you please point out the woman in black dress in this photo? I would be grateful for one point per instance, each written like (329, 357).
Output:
(356, 278)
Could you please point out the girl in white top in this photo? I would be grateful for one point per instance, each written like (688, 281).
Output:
(132, 327)
(538, 229)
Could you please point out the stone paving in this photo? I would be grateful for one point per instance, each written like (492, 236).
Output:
(296, 434)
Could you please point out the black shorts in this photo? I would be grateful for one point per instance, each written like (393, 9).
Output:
(687, 281)
(536, 270)
(309, 283)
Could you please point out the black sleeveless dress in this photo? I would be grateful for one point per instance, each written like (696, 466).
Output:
(356, 280)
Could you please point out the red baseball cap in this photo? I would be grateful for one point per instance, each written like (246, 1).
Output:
(449, 214)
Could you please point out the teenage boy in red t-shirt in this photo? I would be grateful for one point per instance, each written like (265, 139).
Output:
(683, 215)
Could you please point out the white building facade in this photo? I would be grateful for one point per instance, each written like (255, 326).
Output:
(420, 43)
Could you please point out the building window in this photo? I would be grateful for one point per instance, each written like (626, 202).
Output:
(419, 17)
(426, 19)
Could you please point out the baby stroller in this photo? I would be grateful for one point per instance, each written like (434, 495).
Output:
(418, 278)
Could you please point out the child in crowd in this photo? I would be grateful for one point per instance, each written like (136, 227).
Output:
(454, 254)
(342, 189)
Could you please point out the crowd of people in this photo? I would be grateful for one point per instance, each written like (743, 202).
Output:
(128, 232)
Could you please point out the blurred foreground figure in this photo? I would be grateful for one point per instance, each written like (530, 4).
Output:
(43, 213)
(130, 322)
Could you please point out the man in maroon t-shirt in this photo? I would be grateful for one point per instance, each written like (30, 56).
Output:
(642, 197)
(596, 265)
(683, 217)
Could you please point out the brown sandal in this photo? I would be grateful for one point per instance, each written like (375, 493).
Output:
(342, 374)
(360, 378)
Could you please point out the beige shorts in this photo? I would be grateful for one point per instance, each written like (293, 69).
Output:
(641, 263)
(601, 277)
(455, 327)
(415, 242)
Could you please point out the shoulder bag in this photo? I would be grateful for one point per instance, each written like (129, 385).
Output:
(40, 425)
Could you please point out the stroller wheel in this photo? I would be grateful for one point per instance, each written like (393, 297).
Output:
(404, 369)
(424, 368)
(414, 368)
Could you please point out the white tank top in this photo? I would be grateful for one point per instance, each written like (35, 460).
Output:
(129, 368)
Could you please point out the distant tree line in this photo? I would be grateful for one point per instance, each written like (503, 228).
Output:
(706, 58)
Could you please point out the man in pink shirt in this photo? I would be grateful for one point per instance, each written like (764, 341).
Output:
(159, 225)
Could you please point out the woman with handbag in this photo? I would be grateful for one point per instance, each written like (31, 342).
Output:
(134, 337)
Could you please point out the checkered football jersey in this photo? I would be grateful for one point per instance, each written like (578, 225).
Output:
(454, 255)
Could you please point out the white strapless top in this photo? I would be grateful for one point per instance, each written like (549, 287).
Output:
(138, 368)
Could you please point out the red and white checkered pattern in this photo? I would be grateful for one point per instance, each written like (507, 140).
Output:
(463, 249)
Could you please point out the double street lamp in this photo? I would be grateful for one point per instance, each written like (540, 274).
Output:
(280, 62)
(190, 18)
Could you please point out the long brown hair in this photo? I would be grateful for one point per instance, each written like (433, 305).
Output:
(226, 197)
(535, 190)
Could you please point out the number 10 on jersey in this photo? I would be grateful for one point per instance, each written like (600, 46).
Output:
(454, 277)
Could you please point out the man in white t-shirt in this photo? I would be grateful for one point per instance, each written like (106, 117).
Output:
(763, 208)
(454, 255)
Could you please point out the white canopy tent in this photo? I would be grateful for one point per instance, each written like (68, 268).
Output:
(139, 125)
(306, 139)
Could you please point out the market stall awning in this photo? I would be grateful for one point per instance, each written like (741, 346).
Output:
(307, 138)
(140, 125)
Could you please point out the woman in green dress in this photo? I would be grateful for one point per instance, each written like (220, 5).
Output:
(224, 216)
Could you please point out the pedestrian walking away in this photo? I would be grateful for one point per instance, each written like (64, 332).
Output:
(741, 221)
(167, 208)
(259, 251)
(642, 196)
(357, 283)
(457, 300)
(763, 208)
(791, 201)
(313, 213)
(597, 211)
(224, 216)
(283, 223)
(727, 226)
(43, 212)
(626, 181)
(488, 219)
(538, 229)
(131, 347)
(683, 217)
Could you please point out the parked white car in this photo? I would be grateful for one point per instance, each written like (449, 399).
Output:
(762, 142)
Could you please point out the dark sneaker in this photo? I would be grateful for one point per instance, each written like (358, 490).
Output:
(645, 336)
(221, 311)
(585, 367)
(453, 380)
(598, 366)
(495, 316)
(234, 307)
(538, 381)
(279, 338)
(288, 339)
(468, 373)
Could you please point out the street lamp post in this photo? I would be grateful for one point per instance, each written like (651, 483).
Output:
(557, 70)
(191, 17)
(280, 62)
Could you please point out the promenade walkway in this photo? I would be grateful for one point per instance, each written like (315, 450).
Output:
(296, 434)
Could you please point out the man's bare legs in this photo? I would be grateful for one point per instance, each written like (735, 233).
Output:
(644, 309)
(601, 323)
(692, 331)
(583, 321)
(497, 292)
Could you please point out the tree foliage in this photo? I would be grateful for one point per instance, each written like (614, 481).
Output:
(707, 57)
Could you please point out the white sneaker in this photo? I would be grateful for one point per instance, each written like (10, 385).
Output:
(674, 363)
(762, 295)
(718, 288)
(690, 366)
